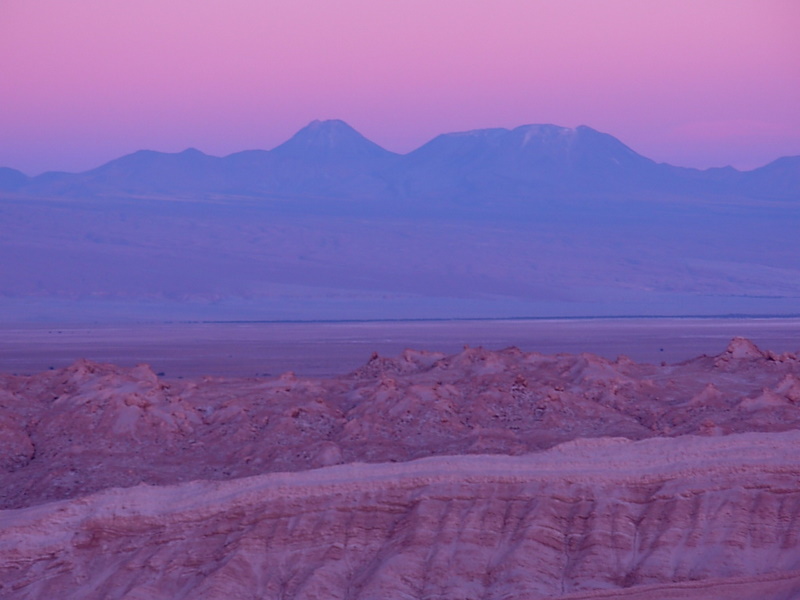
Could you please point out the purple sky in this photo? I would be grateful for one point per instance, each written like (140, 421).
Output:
(691, 82)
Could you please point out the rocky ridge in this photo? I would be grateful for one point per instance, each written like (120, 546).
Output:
(478, 475)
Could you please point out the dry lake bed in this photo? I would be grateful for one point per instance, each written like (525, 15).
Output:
(323, 349)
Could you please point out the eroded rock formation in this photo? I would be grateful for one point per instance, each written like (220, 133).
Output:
(479, 475)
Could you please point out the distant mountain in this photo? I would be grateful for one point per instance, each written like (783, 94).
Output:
(538, 220)
(11, 179)
(145, 172)
(532, 149)
(778, 179)
(324, 159)
(330, 159)
(332, 140)
(148, 171)
(529, 159)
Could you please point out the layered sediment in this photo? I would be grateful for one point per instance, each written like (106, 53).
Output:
(478, 475)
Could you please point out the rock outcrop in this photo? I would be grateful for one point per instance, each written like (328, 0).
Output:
(479, 475)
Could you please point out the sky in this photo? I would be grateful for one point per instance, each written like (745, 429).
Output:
(695, 83)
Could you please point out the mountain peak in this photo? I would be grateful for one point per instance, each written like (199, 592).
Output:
(544, 136)
(192, 152)
(329, 125)
(544, 129)
(332, 139)
(535, 140)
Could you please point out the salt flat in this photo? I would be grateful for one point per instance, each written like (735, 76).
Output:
(333, 348)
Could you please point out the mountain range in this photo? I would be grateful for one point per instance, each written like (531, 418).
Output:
(538, 221)
(329, 159)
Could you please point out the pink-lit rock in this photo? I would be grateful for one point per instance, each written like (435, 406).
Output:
(479, 475)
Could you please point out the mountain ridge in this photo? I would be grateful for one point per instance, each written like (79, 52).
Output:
(330, 159)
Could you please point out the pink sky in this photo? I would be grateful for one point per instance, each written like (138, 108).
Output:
(691, 82)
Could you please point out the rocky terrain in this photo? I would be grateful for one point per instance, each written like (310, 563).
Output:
(479, 475)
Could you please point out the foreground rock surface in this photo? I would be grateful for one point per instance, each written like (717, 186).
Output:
(478, 475)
